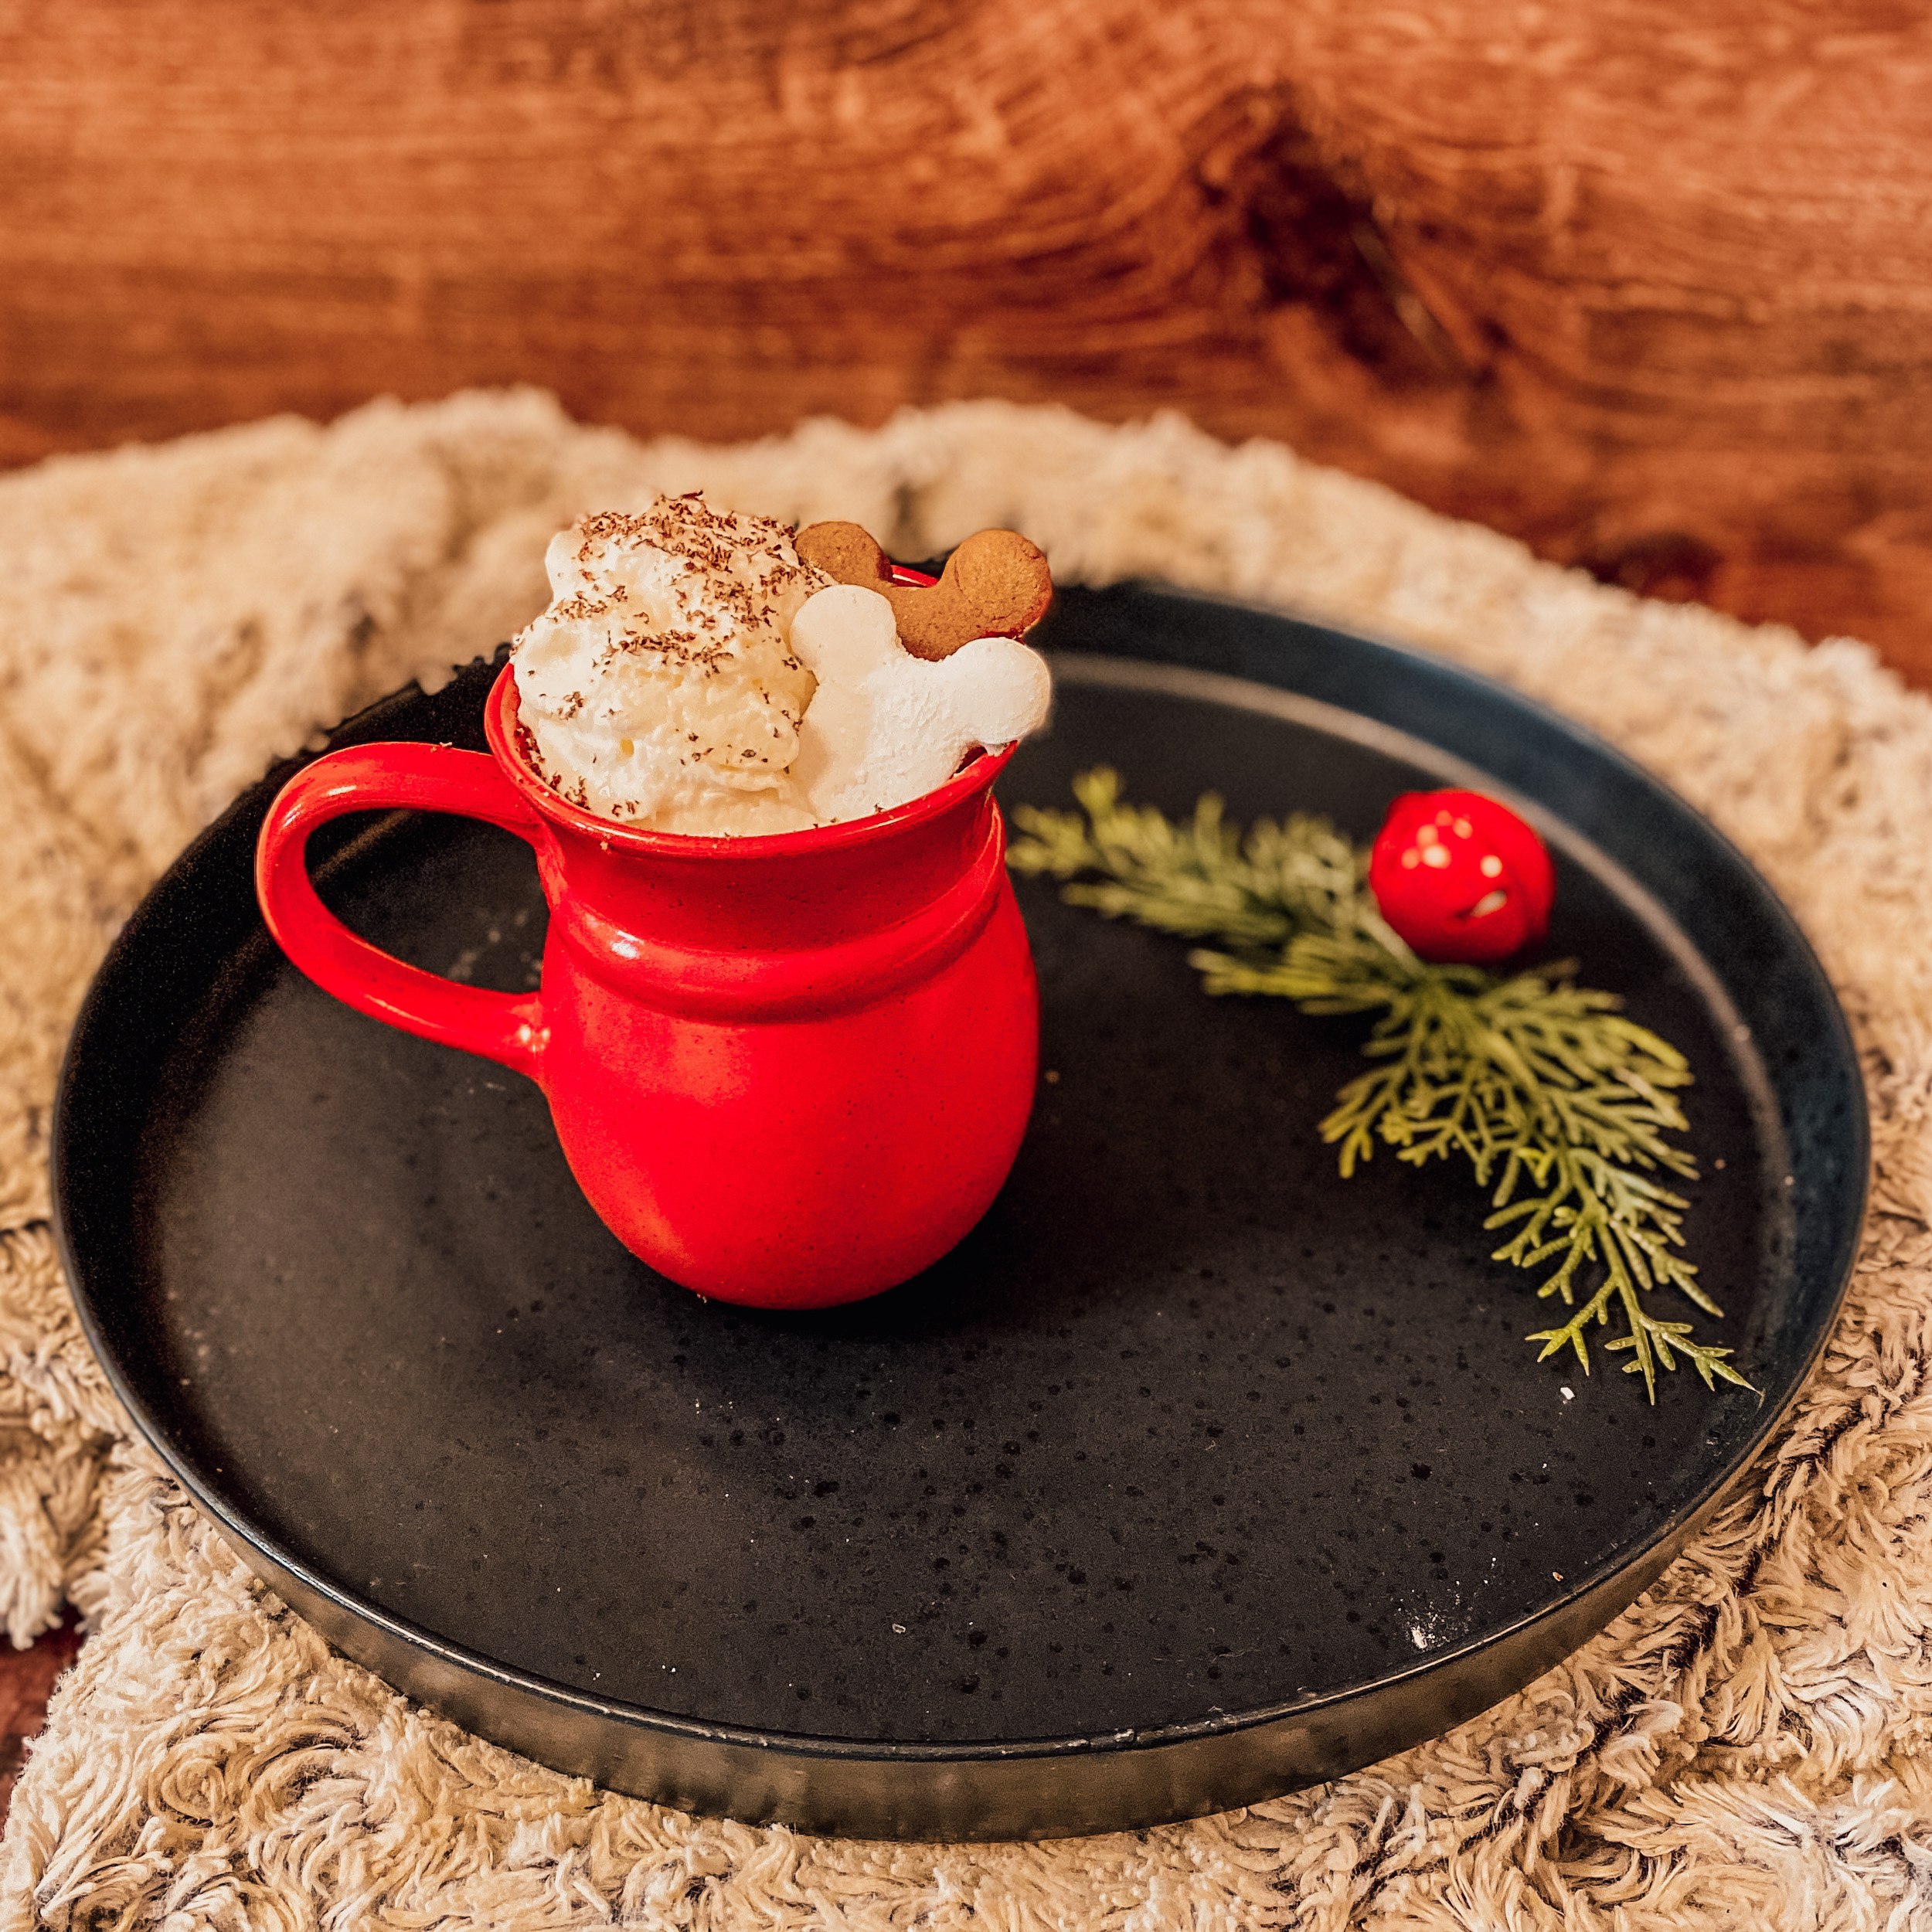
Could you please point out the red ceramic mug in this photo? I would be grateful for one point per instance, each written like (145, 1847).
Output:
(789, 1070)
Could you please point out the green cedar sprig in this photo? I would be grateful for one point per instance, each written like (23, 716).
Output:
(1560, 1105)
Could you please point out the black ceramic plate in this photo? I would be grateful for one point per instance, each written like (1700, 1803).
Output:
(1195, 1473)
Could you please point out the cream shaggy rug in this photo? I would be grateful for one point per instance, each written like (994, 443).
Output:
(1745, 1747)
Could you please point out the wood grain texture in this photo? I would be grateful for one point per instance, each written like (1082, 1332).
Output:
(1651, 289)
(26, 1681)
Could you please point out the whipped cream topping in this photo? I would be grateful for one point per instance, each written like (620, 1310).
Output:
(660, 689)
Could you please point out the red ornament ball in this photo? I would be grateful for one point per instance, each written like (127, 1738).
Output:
(1460, 878)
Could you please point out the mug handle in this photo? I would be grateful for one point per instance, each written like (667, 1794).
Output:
(423, 777)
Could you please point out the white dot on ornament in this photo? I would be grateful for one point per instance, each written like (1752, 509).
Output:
(1489, 903)
(1412, 857)
(1491, 866)
(1462, 827)
(1442, 818)
(1426, 835)
(1436, 855)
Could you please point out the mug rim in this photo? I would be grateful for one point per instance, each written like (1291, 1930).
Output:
(501, 725)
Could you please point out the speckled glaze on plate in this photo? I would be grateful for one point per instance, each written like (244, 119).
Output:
(1193, 1474)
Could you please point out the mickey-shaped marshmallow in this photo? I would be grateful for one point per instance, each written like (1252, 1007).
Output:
(996, 584)
(883, 725)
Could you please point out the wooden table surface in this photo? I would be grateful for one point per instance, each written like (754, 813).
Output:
(26, 1677)
(1648, 287)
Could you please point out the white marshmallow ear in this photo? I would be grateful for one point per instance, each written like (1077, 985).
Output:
(844, 631)
(845, 637)
(999, 690)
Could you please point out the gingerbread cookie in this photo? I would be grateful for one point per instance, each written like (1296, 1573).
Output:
(996, 584)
